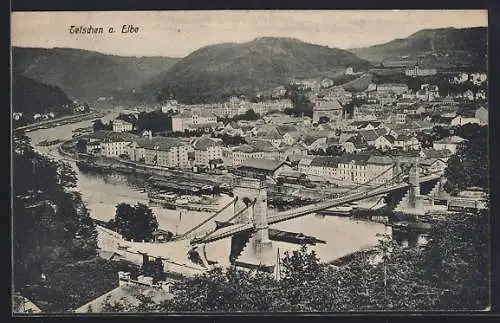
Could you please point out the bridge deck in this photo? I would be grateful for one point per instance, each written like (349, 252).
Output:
(308, 209)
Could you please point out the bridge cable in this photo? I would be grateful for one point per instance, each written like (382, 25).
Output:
(207, 219)
(320, 208)
(229, 220)
(374, 178)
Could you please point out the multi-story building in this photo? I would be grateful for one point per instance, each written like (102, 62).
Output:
(170, 106)
(448, 143)
(395, 88)
(460, 121)
(482, 115)
(356, 168)
(122, 126)
(363, 168)
(407, 142)
(400, 118)
(320, 166)
(206, 150)
(416, 71)
(185, 120)
(329, 109)
(112, 144)
(166, 152)
(258, 149)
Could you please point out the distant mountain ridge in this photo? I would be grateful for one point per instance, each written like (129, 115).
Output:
(215, 72)
(468, 40)
(87, 74)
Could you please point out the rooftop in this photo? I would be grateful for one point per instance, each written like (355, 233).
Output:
(263, 164)
(360, 159)
(370, 135)
(432, 153)
(450, 140)
(110, 136)
(160, 143)
(205, 143)
(380, 160)
(131, 294)
(392, 85)
(325, 161)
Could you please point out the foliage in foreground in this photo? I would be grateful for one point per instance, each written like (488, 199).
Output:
(469, 166)
(52, 227)
(449, 273)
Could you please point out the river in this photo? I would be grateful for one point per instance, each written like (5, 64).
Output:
(102, 193)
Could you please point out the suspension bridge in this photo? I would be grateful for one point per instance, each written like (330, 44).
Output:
(250, 203)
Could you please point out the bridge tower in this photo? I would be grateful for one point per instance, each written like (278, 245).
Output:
(414, 180)
(412, 202)
(254, 191)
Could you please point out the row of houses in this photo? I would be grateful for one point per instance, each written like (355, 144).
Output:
(354, 168)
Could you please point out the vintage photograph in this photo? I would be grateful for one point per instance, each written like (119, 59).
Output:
(254, 161)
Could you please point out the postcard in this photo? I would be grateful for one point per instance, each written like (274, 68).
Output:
(250, 161)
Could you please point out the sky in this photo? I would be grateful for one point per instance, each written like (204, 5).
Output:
(178, 33)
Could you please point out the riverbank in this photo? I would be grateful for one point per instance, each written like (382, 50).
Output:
(59, 121)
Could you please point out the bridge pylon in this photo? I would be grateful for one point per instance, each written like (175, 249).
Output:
(414, 181)
(253, 192)
(412, 202)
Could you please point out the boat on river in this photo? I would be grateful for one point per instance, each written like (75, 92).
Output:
(89, 166)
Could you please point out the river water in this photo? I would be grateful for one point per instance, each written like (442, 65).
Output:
(102, 193)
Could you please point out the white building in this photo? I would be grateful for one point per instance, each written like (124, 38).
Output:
(394, 88)
(400, 118)
(460, 121)
(385, 142)
(371, 87)
(184, 121)
(166, 152)
(122, 126)
(330, 109)
(170, 105)
(482, 115)
(111, 144)
(206, 150)
(353, 169)
(449, 143)
(417, 71)
(114, 148)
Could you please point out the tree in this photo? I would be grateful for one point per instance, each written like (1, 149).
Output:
(301, 104)
(98, 125)
(425, 139)
(134, 222)
(155, 121)
(469, 166)
(249, 115)
(449, 273)
(51, 224)
(439, 132)
(81, 146)
(158, 270)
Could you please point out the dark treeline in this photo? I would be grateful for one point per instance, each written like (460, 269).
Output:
(302, 106)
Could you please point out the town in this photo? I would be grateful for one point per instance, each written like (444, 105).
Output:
(363, 187)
